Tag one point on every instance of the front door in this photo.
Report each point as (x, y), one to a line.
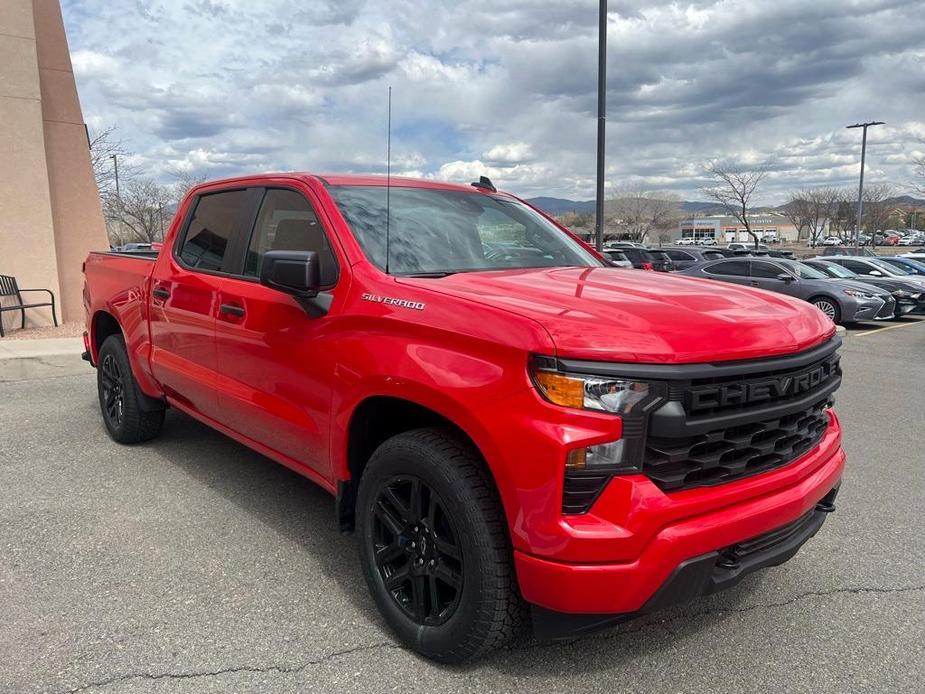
(184, 297)
(767, 275)
(276, 362)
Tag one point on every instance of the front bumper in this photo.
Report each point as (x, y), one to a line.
(700, 576)
(861, 309)
(737, 515)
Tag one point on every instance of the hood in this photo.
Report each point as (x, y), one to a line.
(890, 284)
(612, 314)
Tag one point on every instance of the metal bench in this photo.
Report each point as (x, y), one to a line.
(9, 287)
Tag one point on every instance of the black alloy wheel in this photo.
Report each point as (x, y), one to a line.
(417, 551)
(113, 386)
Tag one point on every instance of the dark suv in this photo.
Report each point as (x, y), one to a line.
(644, 259)
(685, 256)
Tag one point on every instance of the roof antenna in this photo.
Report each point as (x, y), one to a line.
(388, 183)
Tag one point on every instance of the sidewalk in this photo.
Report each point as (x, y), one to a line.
(29, 359)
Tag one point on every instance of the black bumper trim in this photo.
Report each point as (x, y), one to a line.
(696, 577)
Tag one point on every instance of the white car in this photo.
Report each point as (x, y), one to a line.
(832, 241)
(915, 255)
(911, 240)
(706, 241)
(686, 241)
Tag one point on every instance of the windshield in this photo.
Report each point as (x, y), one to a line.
(802, 270)
(438, 232)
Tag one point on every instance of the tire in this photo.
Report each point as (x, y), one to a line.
(126, 414)
(459, 532)
(829, 307)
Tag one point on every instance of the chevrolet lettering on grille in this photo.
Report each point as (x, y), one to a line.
(718, 396)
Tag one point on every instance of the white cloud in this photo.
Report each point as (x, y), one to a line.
(218, 87)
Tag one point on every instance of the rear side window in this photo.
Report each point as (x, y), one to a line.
(287, 222)
(214, 221)
(679, 255)
(730, 267)
(766, 270)
(712, 255)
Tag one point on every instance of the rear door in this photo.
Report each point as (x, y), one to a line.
(277, 363)
(734, 270)
(185, 286)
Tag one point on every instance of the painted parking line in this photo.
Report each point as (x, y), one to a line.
(884, 329)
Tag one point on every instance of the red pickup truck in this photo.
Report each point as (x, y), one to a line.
(519, 433)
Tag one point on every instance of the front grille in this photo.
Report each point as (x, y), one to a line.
(729, 453)
(889, 308)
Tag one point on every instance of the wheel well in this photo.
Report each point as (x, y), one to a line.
(373, 422)
(104, 325)
(813, 299)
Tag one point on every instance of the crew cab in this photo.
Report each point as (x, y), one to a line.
(518, 433)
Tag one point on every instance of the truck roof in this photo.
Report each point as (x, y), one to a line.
(340, 179)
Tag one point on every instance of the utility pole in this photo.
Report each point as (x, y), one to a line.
(857, 228)
(601, 120)
(115, 166)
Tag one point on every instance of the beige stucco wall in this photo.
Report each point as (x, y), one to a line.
(49, 208)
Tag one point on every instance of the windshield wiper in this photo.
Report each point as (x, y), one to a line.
(428, 274)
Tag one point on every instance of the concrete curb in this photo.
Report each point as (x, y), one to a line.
(841, 331)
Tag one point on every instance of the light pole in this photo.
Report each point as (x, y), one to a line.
(601, 119)
(857, 228)
(115, 166)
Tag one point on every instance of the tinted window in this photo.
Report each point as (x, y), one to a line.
(855, 266)
(679, 255)
(438, 231)
(287, 222)
(216, 217)
(802, 270)
(737, 268)
(712, 255)
(638, 255)
(766, 270)
(615, 255)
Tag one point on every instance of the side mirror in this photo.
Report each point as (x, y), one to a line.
(292, 272)
(785, 277)
(875, 273)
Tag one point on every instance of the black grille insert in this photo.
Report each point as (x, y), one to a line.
(729, 453)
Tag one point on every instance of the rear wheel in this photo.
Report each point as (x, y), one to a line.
(829, 307)
(434, 547)
(125, 414)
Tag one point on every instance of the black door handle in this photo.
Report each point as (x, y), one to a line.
(161, 293)
(231, 310)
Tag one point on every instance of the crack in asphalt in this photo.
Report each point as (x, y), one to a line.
(664, 624)
(282, 669)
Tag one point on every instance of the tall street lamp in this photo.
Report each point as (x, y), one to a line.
(857, 228)
(601, 118)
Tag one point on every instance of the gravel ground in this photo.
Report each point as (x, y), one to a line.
(45, 331)
(191, 564)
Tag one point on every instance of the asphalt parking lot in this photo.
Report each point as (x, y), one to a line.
(191, 564)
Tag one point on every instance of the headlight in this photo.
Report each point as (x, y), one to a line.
(905, 294)
(858, 294)
(590, 392)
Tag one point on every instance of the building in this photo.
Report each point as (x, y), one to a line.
(50, 213)
(727, 229)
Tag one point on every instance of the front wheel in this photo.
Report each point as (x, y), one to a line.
(829, 307)
(434, 547)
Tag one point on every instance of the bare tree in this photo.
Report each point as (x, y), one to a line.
(638, 213)
(735, 187)
(844, 212)
(811, 209)
(918, 180)
(140, 213)
(104, 145)
(877, 208)
(184, 183)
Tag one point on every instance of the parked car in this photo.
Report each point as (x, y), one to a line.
(840, 300)
(912, 240)
(660, 260)
(911, 266)
(687, 241)
(645, 259)
(517, 438)
(909, 296)
(706, 241)
(875, 267)
(617, 257)
(683, 258)
(832, 241)
(918, 254)
(782, 253)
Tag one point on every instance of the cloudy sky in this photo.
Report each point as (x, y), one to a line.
(507, 88)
